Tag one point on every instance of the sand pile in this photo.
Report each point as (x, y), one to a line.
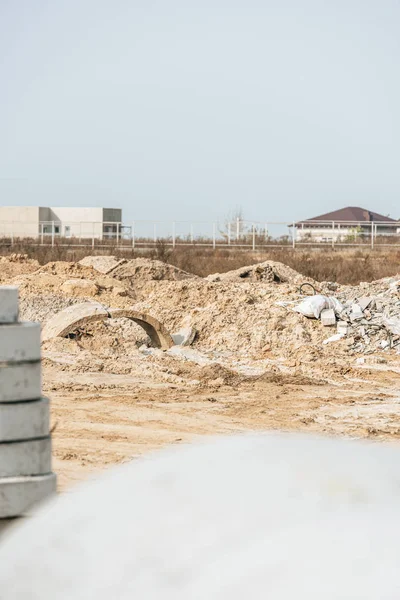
(137, 270)
(234, 314)
(16, 264)
(234, 317)
(267, 272)
(55, 286)
(102, 264)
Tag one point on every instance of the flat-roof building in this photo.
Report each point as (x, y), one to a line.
(78, 222)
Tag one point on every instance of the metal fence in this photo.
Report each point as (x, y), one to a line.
(252, 235)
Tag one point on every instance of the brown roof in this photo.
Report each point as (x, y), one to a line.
(351, 213)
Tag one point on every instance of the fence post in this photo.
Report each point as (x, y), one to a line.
(133, 234)
(229, 233)
(191, 233)
(333, 235)
(254, 237)
(237, 228)
(52, 234)
(372, 235)
(12, 233)
(118, 224)
(41, 233)
(294, 235)
(173, 234)
(93, 235)
(214, 240)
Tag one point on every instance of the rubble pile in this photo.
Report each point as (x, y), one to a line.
(268, 272)
(373, 320)
(248, 313)
(367, 317)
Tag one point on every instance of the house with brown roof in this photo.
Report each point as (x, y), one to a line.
(345, 224)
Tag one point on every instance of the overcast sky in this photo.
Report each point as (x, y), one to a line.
(175, 109)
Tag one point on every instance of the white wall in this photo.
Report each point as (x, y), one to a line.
(325, 233)
(78, 222)
(19, 221)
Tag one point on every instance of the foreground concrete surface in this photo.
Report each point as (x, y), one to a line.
(278, 516)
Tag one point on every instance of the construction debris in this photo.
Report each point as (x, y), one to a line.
(243, 311)
(184, 337)
(314, 306)
(342, 327)
(370, 323)
(328, 317)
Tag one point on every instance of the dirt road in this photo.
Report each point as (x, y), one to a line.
(103, 419)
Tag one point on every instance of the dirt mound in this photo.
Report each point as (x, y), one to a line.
(62, 284)
(102, 264)
(16, 264)
(140, 270)
(265, 272)
(216, 373)
(80, 287)
(287, 379)
(232, 317)
(63, 268)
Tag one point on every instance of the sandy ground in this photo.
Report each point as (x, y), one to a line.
(254, 364)
(120, 417)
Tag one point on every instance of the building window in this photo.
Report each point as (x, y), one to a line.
(67, 231)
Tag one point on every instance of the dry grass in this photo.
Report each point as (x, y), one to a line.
(344, 266)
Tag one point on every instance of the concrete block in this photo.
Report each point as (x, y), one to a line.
(184, 337)
(328, 317)
(24, 420)
(356, 313)
(342, 327)
(364, 302)
(32, 457)
(19, 494)
(8, 304)
(20, 381)
(19, 342)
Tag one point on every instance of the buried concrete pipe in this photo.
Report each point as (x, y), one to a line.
(74, 317)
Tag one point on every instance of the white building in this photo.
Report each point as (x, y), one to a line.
(77, 222)
(346, 224)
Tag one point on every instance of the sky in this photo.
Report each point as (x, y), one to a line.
(183, 110)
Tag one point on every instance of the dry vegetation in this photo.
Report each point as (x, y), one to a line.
(343, 266)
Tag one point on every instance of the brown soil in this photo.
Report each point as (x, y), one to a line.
(102, 420)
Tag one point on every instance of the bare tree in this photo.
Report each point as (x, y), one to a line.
(234, 225)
